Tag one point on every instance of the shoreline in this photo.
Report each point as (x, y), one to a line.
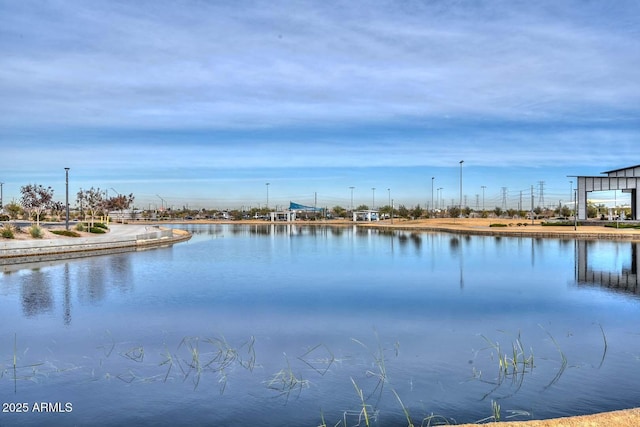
(469, 226)
(18, 253)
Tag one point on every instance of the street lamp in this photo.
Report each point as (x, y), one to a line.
(389, 190)
(432, 178)
(267, 184)
(373, 203)
(66, 172)
(483, 187)
(1, 208)
(162, 201)
(461, 162)
(352, 197)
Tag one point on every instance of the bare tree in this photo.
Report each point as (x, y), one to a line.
(35, 199)
(120, 203)
(92, 200)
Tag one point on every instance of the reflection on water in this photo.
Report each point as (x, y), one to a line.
(282, 324)
(35, 292)
(612, 265)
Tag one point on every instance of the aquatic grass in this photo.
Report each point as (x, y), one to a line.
(404, 409)
(136, 354)
(321, 362)
(563, 362)
(168, 361)
(285, 382)
(108, 349)
(604, 352)
(363, 412)
(16, 368)
(379, 362)
(435, 420)
(513, 365)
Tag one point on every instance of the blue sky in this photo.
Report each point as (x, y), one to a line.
(204, 102)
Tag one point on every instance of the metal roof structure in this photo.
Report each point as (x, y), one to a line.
(625, 179)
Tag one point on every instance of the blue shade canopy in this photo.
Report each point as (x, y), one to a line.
(298, 207)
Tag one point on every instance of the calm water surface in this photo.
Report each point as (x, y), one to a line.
(289, 325)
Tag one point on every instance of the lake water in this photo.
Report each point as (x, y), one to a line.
(288, 325)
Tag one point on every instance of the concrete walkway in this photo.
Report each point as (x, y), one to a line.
(120, 238)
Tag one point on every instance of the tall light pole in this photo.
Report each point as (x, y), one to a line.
(373, 202)
(432, 178)
(162, 200)
(1, 208)
(352, 198)
(439, 195)
(483, 187)
(267, 184)
(461, 162)
(66, 172)
(389, 190)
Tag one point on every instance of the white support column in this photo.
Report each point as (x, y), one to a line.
(582, 198)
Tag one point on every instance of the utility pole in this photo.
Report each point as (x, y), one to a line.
(352, 198)
(432, 207)
(532, 215)
(267, 184)
(66, 170)
(483, 187)
(504, 198)
(520, 203)
(1, 205)
(541, 199)
(461, 162)
(373, 200)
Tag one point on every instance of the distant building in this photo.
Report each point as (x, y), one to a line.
(125, 215)
(625, 179)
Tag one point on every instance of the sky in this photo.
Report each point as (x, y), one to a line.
(201, 104)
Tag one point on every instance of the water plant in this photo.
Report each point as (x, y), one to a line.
(319, 358)
(285, 381)
(404, 409)
(379, 362)
(512, 365)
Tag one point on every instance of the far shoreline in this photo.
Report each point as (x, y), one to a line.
(467, 226)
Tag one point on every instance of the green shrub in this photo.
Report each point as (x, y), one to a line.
(36, 232)
(497, 225)
(7, 232)
(4, 218)
(97, 230)
(80, 227)
(557, 223)
(100, 225)
(67, 233)
(622, 225)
